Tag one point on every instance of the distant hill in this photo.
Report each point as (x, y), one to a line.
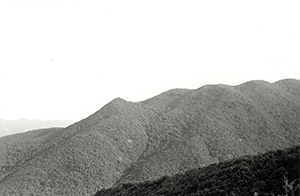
(170, 133)
(263, 174)
(8, 127)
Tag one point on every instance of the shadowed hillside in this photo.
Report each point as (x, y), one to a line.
(171, 133)
(264, 174)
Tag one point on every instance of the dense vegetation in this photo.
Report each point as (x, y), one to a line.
(171, 133)
(19, 148)
(250, 175)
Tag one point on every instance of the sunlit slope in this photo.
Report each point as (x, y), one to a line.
(171, 133)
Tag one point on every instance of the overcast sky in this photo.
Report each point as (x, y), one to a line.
(65, 59)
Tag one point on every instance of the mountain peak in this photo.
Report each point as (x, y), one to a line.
(118, 100)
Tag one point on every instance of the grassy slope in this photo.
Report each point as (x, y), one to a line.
(262, 173)
(168, 134)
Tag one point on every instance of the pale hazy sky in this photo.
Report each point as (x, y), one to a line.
(65, 59)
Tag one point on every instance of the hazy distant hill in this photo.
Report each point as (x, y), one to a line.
(8, 127)
(264, 174)
(173, 132)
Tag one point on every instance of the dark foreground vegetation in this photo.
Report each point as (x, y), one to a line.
(272, 173)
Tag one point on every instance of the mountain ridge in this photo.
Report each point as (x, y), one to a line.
(177, 130)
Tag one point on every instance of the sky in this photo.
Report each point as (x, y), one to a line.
(65, 59)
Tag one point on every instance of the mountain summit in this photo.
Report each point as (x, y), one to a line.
(170, 133)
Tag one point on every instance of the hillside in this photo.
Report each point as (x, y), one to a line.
(19, 148)
(170, 133)
(264, 174)
(8, 127)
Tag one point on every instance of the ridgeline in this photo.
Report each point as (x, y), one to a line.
(171, 133)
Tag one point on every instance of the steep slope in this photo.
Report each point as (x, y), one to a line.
(171, 133)
(8, 127)
(264, 174)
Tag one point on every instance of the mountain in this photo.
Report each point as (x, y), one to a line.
(8, 127)
(275, 172)
(170, 133)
